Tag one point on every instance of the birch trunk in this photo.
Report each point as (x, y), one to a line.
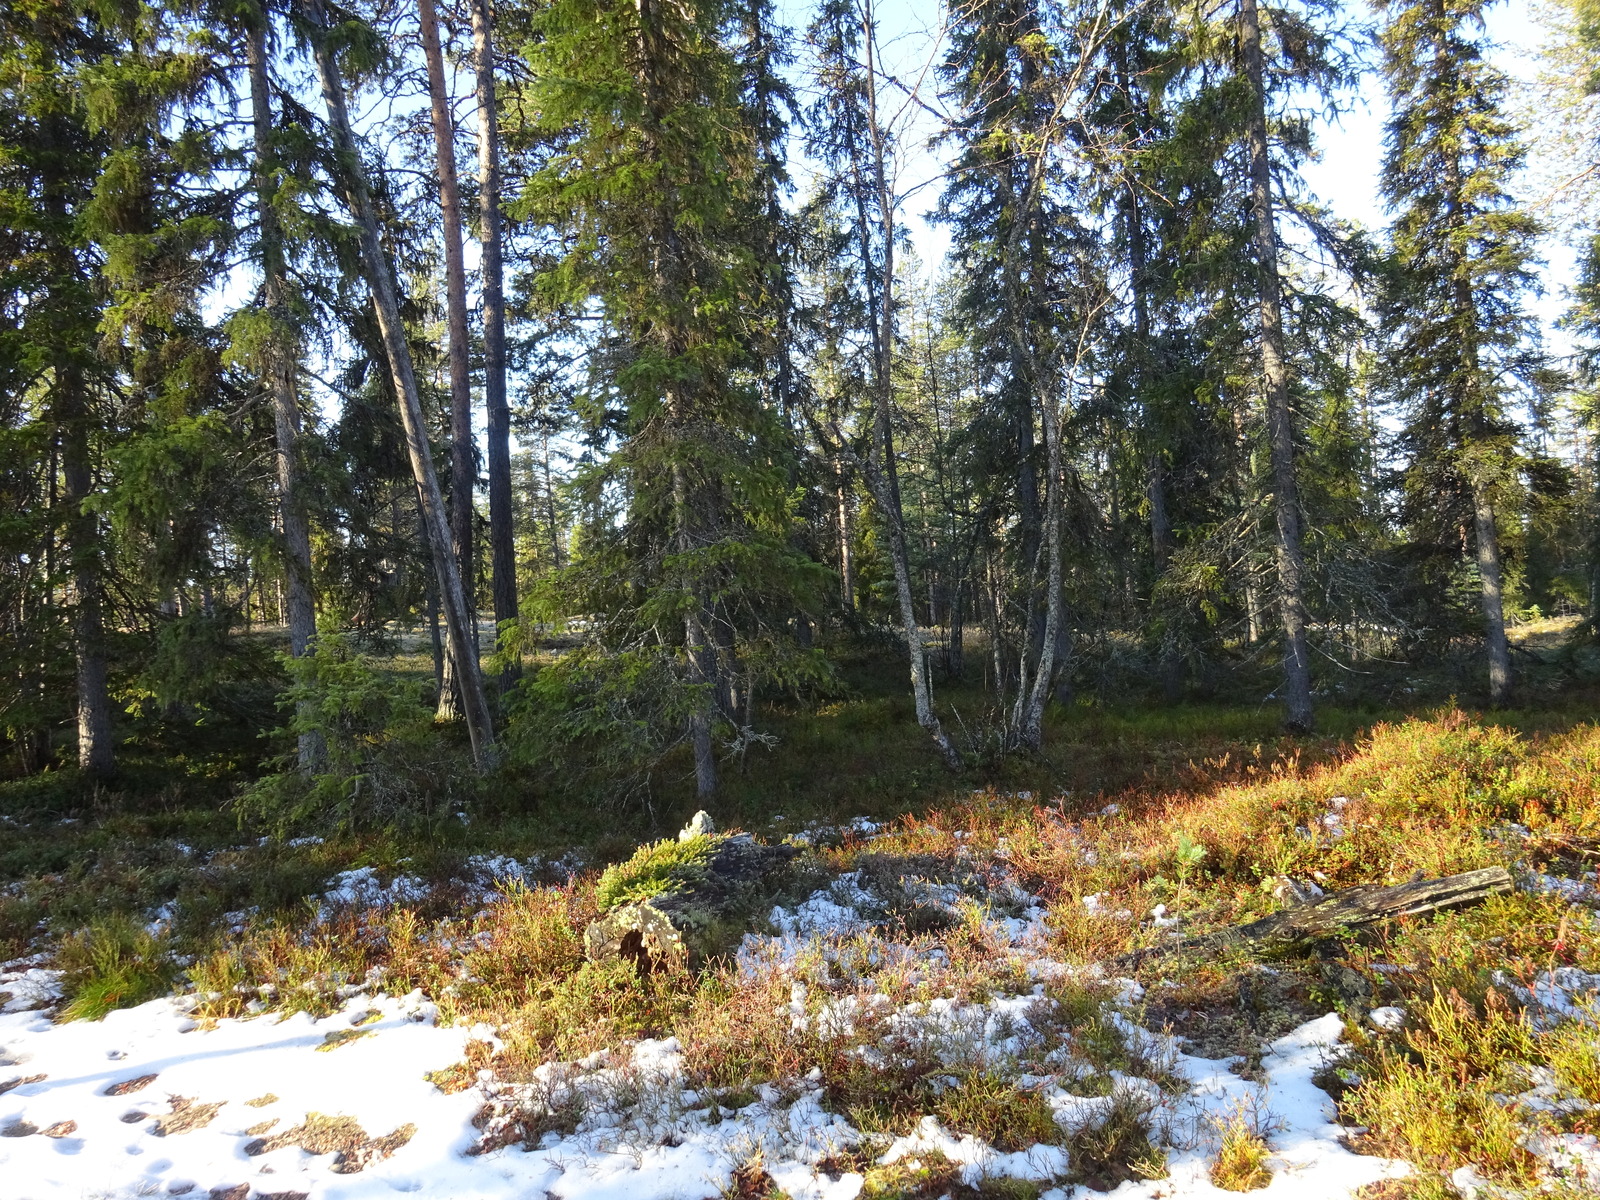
(884, 478)
(1489, 576)
(847, 573)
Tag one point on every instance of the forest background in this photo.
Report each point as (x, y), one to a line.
(417, 413)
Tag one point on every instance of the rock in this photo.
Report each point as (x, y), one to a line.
(640, 933)
(1388, 1018)
(700, 825)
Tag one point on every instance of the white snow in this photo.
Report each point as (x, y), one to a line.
(637, 1131)
(659, 1147)
(361, 888)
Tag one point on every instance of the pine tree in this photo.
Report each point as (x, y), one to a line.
(463, 454)
(1457, 335)
(378, 272)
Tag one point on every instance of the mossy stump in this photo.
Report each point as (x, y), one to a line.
(666, 905)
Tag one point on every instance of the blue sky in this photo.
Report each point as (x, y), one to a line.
(1351, 147)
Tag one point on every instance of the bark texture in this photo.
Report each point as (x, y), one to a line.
(882, 475)
(460, 643)
(1298, 714)
(282, 376)
(463, 460)
(502, 549)
(1355, 908)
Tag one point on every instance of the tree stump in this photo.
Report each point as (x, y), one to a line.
(704, 886)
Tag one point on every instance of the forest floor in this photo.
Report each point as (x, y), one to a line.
(943, 995)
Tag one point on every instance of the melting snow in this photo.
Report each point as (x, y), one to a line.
(642, 1134)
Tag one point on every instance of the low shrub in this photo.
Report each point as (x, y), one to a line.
(114, 963)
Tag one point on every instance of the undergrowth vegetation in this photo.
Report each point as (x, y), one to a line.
(1126, 874)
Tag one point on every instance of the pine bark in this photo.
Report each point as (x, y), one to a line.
(502, 543)
(282, 383)
(463, 461)
(1298, 713)
(376, 267)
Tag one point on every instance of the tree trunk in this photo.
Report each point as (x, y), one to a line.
(96, 749)
(1298, 714)
(955, 647)
(458, 631)
(1494, 617)
(430, 599)
(1171, 664)
(502, 539)
(281, 377)
(883, 478)
(700, 656)
(463, 462)
(847, 571)
(1295, 927)
(1033, 721)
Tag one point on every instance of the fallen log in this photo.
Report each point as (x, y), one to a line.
(1291, 928)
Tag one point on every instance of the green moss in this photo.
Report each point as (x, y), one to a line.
(659, 869)
(994, 1108)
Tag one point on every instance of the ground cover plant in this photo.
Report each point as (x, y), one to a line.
(989, 993)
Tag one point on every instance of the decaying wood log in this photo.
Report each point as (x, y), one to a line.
(1297, 926)
(738, 879)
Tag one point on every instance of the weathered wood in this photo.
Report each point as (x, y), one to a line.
(1354, 908)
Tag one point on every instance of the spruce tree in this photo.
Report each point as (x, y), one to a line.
(274, 350)
(50, 161)
(655, 186)
(1457, 336)
(1023, 74)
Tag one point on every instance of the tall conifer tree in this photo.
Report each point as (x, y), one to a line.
(658, 188)
(1458, 337)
